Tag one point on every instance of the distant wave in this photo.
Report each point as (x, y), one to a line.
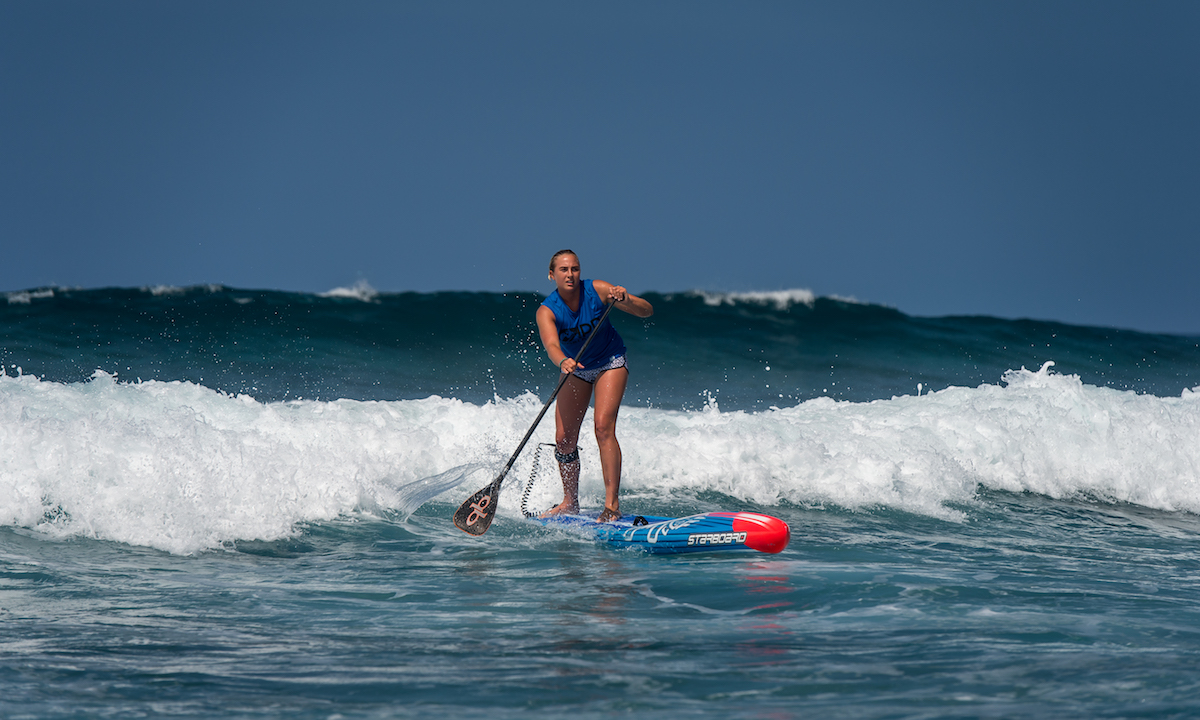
(360, 290)
(160, 290)
(780, 299)
(25, 297)
(363, 291)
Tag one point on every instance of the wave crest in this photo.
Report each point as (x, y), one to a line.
(180, 467)
(779, 299)
(360, 290)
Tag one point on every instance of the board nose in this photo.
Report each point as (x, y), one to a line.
(763, 532)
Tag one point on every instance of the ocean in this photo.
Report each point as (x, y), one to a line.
(227, 503)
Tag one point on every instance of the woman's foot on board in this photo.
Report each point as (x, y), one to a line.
(609, 515)
(561, 509)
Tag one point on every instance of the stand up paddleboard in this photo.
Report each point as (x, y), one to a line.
(706, 532)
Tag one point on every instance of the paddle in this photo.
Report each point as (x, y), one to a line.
(475, 515)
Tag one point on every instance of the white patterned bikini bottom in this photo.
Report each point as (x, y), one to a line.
(589, 375)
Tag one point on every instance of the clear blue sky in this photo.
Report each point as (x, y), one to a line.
(1019, 159)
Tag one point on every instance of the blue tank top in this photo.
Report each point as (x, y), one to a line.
(574, 327)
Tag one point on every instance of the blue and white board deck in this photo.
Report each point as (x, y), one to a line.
(706, 532)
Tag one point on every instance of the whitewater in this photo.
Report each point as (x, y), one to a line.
(181, 468)
(219, 502)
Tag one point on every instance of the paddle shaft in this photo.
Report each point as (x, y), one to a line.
(484, 512)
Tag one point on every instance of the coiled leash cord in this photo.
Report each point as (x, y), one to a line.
(533, 474)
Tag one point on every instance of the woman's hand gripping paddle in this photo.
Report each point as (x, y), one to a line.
(475, 515)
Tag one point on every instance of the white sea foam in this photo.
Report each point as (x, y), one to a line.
(780, 299)
(180, 467)
(160, 290)
(26, 297)
(360, 290)
(1039, 432)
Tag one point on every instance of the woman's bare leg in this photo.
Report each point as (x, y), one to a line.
(569, 409)
(610, 389)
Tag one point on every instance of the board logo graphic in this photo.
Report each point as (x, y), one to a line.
(726, 538)
(653, 532)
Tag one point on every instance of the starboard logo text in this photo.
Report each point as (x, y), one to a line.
(729, 538)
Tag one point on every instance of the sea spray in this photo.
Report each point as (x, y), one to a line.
(180, 467)
(1038, 432)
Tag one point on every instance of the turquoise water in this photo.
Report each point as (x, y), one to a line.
(1034, 608)
(226, 503)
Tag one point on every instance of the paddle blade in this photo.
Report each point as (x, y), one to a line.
(475, 515)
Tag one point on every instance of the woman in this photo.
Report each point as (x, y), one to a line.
(564, 321)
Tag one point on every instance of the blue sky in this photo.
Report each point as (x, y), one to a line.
(1017, 159)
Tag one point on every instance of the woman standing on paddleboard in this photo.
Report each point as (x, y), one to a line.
(564, 321)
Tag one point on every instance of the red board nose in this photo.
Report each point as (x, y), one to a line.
(763, 532)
